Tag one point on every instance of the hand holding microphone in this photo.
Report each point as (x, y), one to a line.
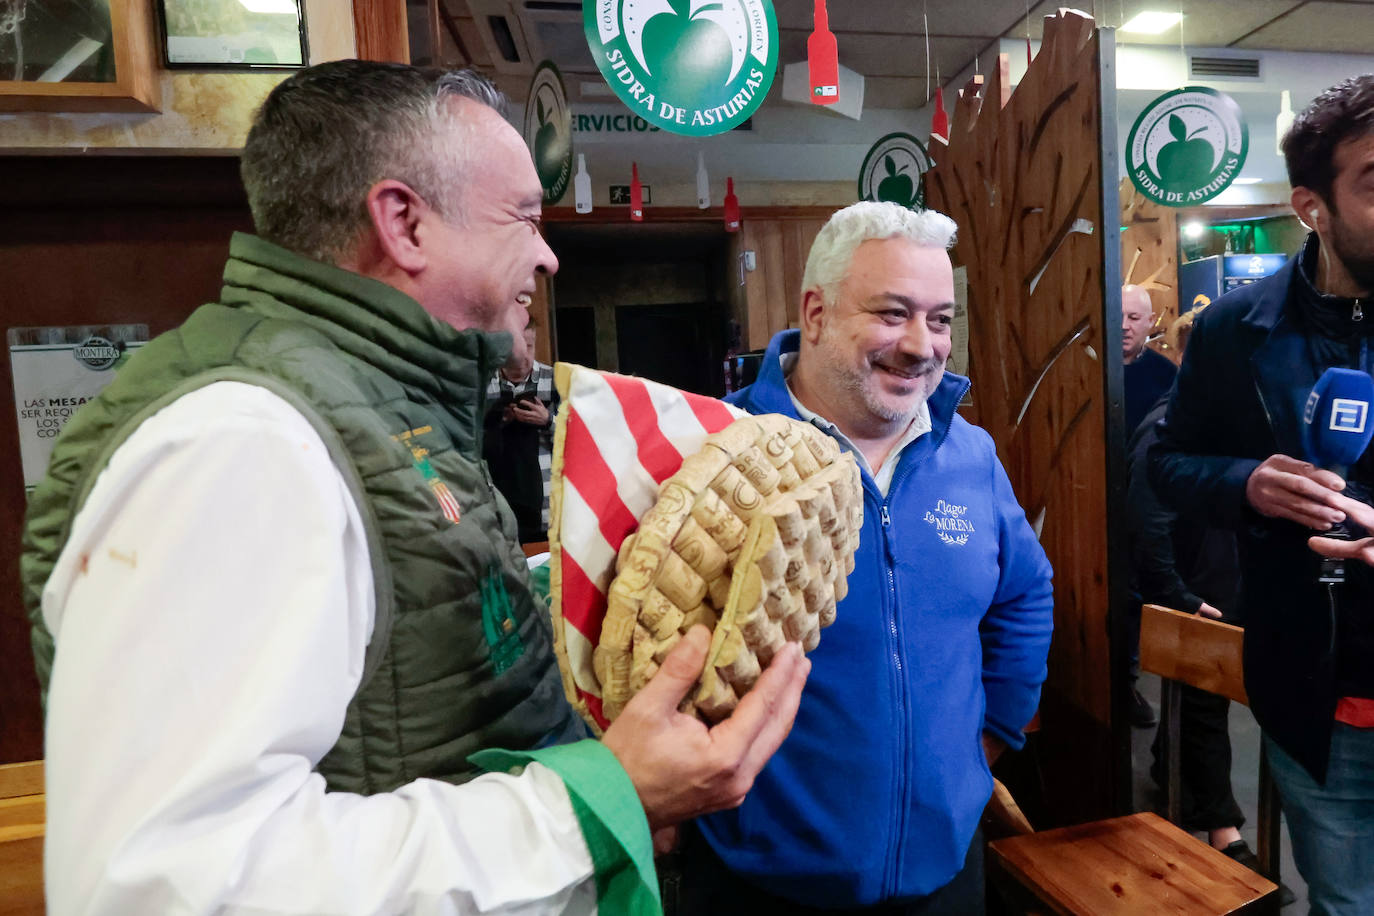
(1336, 430)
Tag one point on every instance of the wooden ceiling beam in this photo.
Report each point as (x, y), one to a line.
(451, 26)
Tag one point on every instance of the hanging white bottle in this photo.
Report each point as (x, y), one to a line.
(1284, 120)
(582, 186)
(703, 184)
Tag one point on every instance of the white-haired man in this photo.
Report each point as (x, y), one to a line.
(935, 661)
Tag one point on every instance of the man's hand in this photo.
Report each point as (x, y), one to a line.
(993, 747)
(681, 768)
(1363, 549)
(531, 411)
(1284, 487)
(1208, 611)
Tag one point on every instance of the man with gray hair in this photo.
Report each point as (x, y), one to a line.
(936, 657)
(280, 613)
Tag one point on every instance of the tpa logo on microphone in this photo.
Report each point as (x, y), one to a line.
(1348, 415)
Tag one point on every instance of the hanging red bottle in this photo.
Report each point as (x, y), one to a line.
(939, 124)
(823, 59)
(731, 207)
(636, 194)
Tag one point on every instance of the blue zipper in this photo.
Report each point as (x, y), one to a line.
(902, 764)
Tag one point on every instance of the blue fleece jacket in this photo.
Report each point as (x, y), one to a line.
(876, 793)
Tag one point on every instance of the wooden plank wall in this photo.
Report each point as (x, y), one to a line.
(1149, 258)
(1039, 236)
(94, 240)
(773, 289)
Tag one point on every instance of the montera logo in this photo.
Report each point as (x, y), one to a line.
(1347, 415)
(96, 353)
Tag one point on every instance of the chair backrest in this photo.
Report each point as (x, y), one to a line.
(22, 814)
(21, 779)
(1195, 650)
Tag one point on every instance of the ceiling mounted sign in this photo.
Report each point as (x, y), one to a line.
(892, 171)
(1187, 146)
(548, 131)
(692, 67)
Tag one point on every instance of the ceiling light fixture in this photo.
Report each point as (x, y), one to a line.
(1151, 22)
(1193, 230)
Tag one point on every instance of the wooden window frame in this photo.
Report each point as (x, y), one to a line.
(135, 87)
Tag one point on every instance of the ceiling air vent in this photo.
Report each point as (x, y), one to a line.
(1224, 68)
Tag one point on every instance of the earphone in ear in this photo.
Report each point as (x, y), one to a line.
(1312, 213)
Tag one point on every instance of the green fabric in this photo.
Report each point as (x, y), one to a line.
(539, 581)
(609, 812)
(461, 653)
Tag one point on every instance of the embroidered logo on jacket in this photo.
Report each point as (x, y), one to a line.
(448, 505)
(498, 622)
(951, 525)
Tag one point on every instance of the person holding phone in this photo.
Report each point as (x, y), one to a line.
(518, 443)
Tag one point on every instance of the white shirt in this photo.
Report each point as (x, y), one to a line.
(919, 426)
(211, 610)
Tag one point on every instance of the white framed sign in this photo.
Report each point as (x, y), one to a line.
(55, 371)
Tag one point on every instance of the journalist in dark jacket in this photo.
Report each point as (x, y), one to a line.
(1231, 444)
(1250, 364)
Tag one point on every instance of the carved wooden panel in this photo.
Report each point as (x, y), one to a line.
(1149, 258)
(1039, 238)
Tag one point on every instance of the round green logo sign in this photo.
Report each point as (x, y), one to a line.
(548, 131)
(1187, 146)
(893, 171)
(692, 67)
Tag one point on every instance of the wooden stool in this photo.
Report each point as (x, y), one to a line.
(1206, 654)
(1133, 866)
(22, 815)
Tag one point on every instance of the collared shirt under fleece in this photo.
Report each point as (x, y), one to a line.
(212, 608)
(878, 789)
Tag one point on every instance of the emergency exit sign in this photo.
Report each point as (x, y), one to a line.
(620, 194)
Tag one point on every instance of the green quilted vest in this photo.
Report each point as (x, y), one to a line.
(461, 653)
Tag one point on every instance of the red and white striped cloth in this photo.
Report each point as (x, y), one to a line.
(617, 438)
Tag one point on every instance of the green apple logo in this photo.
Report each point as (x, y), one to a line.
(896, 188)
(550, 149)
(893, 170)
(548, 131)
(1187, 160)
(1176, 166)
(688, 50)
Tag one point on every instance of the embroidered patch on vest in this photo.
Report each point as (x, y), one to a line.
(951, 525)
(498, 622)
(442, 494)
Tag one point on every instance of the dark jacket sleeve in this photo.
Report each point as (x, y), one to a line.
(1151, 527)
(1190, 466)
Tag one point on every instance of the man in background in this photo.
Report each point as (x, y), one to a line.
(280, 615)
(1147, 377)
(518, 438)
(935, 660)
(1148, 374)
(1232, 446)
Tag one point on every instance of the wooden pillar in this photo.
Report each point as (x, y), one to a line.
(381, 30)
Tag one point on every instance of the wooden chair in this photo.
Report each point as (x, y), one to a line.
(22, 815)
(1136, 865)
(1206, 654)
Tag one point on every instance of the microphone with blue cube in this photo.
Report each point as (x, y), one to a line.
(1336, 430)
